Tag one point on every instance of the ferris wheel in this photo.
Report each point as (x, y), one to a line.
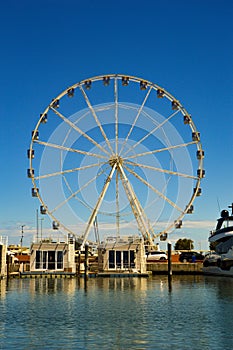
(119, 148)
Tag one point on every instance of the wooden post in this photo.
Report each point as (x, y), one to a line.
(79, 262)
(86, 261)
(7, 265)
(169, 266)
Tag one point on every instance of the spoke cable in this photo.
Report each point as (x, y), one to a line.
(135, 120)
(68, 171)
(152, 131)
(161, 170)
(79, 190)
(153, 189)
(75, 127)
(53, 145)
(162, 149)
(96, 119)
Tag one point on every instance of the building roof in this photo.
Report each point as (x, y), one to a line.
(24, 258)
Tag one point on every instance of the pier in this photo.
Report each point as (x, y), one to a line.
(178, 268)
(153, 268)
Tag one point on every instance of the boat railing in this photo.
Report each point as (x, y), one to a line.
(212, 233)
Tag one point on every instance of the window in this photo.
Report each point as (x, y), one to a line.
(51, 260)
(118, 259)
(124, 259)
(59, 260)
(111, 259)
(38, 259)
(44, 259)
(132, 258)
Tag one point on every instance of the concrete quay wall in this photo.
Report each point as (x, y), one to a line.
(177, 268)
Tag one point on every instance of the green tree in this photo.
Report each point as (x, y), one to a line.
(184, 244)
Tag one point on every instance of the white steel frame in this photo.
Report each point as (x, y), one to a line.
(118, 160)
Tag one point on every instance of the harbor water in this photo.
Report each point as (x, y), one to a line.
(193, 312)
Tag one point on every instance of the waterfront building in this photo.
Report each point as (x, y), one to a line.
(3, 255)
(18, 258)
(49, 255)
(122, 254)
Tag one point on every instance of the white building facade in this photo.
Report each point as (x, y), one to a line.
(53, 256)
(3, 255)
(121, 254)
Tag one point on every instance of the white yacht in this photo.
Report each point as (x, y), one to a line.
(221, 261)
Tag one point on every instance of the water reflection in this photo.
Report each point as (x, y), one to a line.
(3, 283)
(224, 286)
(53, 286)
(118, 313)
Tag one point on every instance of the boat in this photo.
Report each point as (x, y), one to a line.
(220, 262)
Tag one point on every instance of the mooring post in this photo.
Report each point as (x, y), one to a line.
(86, 261)
(7, 265)
(169, 266)
(79, 262)
(169, 254)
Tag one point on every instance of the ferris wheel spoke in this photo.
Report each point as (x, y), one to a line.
(135, 120)
(151, 132)
(160, 194)
(96, 119)
(162, 149)
(58, 173)
(75, 127)
(116, 113)
(161, 170)
(90, 181)
(164, 122)
(77, 198)
(68, 149)
(73, 194)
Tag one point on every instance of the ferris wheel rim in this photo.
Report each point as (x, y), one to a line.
(151, 86)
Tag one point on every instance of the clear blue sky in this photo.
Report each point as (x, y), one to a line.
(184, 46)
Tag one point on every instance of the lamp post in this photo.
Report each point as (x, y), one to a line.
(37, 226)
(41, 229)
(21, 239)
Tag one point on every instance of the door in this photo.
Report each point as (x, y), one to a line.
(51, 260)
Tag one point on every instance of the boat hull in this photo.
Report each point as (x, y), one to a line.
(215, 270)
(221, 261)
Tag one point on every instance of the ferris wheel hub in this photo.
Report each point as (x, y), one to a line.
(115, 160)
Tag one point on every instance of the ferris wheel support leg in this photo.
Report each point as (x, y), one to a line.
(97, 206)
(139, 211)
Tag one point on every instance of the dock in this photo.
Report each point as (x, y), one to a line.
(155, 268)
(178, 268)
(47, 275)
(122, 274)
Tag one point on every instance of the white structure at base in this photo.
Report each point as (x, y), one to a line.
(122, 254)
(3, 253)
(53, 256)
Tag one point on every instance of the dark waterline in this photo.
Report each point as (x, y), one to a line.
(121, 313)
